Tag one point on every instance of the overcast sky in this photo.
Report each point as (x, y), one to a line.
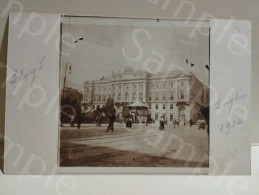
(101, 50)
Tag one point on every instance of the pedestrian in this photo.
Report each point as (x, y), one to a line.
(191, 122)
(97, 120)
(162, 123)
(72, 121)
(199, 123)
(79, 120)
(111, 121)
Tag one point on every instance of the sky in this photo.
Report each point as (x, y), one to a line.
(111, 44)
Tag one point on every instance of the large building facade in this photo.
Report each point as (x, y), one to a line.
(172, 95)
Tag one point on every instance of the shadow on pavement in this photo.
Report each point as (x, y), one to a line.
(77, 155)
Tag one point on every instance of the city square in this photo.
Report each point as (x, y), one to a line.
(139, 146)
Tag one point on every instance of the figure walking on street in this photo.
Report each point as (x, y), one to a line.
(162, 123)
(191, 122)
(111, 121)
(79, 120)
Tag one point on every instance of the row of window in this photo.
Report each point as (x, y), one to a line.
(99, 98)
(152, 97)
(152, 85)
(165, 84)
(164, 97)
(164, 116)
(127, 86)
(164, 106)
(127, 96)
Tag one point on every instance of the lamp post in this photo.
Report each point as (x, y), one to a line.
(67, 67)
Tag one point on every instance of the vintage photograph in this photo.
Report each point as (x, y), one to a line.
(134, 93)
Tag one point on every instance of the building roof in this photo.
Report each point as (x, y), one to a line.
(138, 104)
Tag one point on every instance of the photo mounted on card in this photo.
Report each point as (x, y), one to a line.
(127, 95)
(134, 95)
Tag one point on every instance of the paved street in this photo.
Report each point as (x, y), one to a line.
(139, 146)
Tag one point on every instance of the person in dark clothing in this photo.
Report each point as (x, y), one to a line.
(111, 121)
(191, 122)
(162, 123)
(79, 120)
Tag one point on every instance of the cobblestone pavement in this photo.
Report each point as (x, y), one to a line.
(139, 146)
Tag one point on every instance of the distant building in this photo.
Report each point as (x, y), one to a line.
(72, 96)
(173, 95)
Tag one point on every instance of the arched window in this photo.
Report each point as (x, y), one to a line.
(150, 96)
(164, 97)
(141, 96)
(182, 95)
(134, 96)
(157, 96)
(171, 96)
(164, 85)
(126, 96)
(134, 86)
(119, 96)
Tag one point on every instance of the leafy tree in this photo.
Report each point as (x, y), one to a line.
(110, 105)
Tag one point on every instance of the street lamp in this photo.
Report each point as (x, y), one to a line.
(67, 67)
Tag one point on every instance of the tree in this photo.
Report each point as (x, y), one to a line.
(110, 105)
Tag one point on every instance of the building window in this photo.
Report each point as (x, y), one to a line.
(141, 96)
(172, 84)
(114, 87)
(171, 117)
(126, 86)
(163, 106)
(104, 98)
(156, 116)
(171, 96)
(156, 106)
(114, 96)
(182, 83)
(164, 96)
(182, 95)
(135, 86)
(120, 87)
(126, 96)
(87, 90)
(151, 85)
(141, 86)
(157, 96)
(104, 88)
(171, 106)
(149, 106)
(119, 97)
(164, 84)
(150, 97)
(99, 98)
(134, 96)
(93, 106)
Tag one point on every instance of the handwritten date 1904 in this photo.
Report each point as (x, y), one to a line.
(227, 126)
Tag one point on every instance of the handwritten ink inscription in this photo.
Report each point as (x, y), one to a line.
(20, 74)
(228, 103)
(227, 126)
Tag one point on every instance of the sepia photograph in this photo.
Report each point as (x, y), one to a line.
(134, 93)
